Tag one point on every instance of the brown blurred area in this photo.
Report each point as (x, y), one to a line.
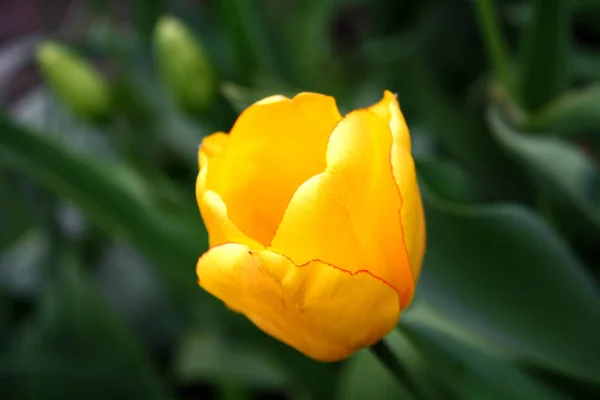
(22, 24)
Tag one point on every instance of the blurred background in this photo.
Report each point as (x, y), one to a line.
(104, 104)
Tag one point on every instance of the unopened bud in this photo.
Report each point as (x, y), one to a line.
(183, 65)
(74, 81)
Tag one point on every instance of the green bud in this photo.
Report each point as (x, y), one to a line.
(74, 81)
(183, 65)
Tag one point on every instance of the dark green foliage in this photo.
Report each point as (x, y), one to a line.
(100, 233)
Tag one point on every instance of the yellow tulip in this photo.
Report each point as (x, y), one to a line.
(315, 221)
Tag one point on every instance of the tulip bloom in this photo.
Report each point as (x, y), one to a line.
(315, 221)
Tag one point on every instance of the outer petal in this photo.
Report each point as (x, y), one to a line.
(413, 220)
(212, 146)
(214, 211)
(388, 109)
(349, 215)
(320, 310)
(275, 145)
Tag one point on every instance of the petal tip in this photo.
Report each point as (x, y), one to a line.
(277, 98)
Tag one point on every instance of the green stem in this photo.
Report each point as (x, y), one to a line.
(394, 366)
(495, 45)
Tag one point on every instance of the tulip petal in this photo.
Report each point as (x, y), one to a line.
(275, 145)
(321, 310)
(220, 228)
(349, 215)
(212, 145)
(389, 109)
(413, 220)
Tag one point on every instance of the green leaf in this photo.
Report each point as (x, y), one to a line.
(76, 347)
(585, 65)
(423, 313)
(545, 53)
(6, 318)
(465, 138)
(452, 182)
(40, 111)
(311, 48)
(243, 97)
(15, 212)
(502, 272)
(309, 377)
(109, 198)
(251, 37)
(365, 377)
(207, 357)
(21, 264)
(469, 373)
(566, 170)
(146, 13)
(572, 114)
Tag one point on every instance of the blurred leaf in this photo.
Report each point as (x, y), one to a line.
(154, 116)
(451, 182)
(14, 211)
(308, 377)
(207, 357)
(21, 264)
(5, 320)
(425, 314)
(311, 49)
(572, 114)
(242, 97)
(470, 373)
(146, 13)
(75, 347)
(39, 110)
(364, 377)
(566, 169)
(129, 285)
(585, 65)
(251, 37)
(465, 137)
(501, 271)
(545, 53)
(109, 201)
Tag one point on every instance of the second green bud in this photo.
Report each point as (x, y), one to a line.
(184, 66)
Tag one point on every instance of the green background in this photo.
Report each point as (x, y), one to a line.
(100, 233)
